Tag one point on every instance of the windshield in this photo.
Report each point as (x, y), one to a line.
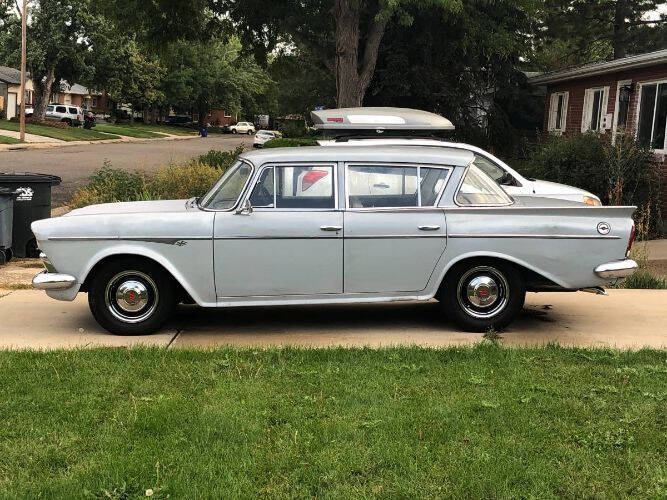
(226, 192)
(479, 189)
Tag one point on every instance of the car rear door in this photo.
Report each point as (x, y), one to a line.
(394, 232)
(291, 243)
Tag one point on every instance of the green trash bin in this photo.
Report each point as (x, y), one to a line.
(33, 202)
(6, 223)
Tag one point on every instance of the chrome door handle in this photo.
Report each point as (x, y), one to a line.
(331, 228)
(428, 228)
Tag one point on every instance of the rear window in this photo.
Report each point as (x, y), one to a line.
(478, 188)
(49, 109)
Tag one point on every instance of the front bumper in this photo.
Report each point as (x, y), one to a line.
(53, 281)
(616, 269)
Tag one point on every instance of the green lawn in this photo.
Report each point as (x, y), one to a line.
(8, 140)
(128, 130)
(64, 134)
(144, 131)
(484, 422)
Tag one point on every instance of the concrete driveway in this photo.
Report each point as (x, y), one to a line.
(74, 164)
(625, 319)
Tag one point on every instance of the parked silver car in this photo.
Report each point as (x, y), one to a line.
(324, 225)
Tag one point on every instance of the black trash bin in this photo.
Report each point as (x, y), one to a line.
(32, 202)
(6, 216)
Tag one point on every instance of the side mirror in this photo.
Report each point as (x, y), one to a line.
(245, 208)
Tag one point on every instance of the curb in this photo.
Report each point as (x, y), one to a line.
(62, 144)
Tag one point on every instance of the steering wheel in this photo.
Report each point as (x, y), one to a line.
(262, 197)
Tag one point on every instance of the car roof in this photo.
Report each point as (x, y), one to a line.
(380, 118)
(386, 154)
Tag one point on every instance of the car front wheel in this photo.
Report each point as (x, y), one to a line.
(481, 295)
(234, 131)
(131, 297)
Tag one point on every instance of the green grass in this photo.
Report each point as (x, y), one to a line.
(144, 130)
(484, 422)
(128, 131)
(9, 140)
(64, 134)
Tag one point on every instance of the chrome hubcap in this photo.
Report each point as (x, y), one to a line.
(483, 292)
(131, 296)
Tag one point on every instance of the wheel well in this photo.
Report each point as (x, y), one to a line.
(180, 291)
(534, 281)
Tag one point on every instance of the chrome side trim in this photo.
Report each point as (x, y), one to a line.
(394, 236)
(598, 290)
(217, 238)
(169, 240)
(617, 269)
(53, 281)
(538, 236)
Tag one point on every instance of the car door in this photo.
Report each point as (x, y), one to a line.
(291, 243)
(394, 232)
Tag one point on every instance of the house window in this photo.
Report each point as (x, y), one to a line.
(595, 109)
(624, 93)
(94, 102)
(224, 112)
(558, 111)
(653, 115)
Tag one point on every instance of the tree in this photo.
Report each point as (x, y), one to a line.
(571, 32)
(347, 33)
(56, 45)
(208, 75)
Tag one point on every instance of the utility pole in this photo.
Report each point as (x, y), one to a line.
(24, 24)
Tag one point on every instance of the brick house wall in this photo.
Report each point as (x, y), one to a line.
(575, 107)
(219, 118)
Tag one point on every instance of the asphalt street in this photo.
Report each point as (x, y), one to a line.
(74, 164)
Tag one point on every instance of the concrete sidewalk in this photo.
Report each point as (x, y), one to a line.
(31, 138)
(628, 319)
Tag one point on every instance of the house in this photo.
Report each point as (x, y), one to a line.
(612, 97)
(218, 117)
(78, 95)
(10, 81)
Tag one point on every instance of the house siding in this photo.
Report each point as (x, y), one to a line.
(577, 89)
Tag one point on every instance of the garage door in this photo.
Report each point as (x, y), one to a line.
(11, 106)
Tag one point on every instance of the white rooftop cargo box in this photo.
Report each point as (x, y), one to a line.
(379, 119)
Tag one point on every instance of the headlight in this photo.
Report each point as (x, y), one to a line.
(593, 202)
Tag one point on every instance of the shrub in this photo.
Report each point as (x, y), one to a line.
(219, 159)
(293, 128)
(283, 142)
(623, 173)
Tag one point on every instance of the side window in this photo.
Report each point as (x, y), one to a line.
(478, 188)
(49, 109)
(371, 186)
(61, 109)
(73, 111)
(494, 171)
(264, 191)
(298, 187)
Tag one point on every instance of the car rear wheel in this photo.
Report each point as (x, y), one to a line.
(131, 297)
(482, 295)
(250, 132)
(67, 121)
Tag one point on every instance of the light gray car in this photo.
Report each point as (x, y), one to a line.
(326, 225)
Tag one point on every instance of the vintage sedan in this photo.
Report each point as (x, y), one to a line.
(325, 225)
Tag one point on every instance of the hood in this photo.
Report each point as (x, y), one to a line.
(132, 207)
(546, 188)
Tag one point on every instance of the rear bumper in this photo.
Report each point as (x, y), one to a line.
(53, 281)
(616, 269)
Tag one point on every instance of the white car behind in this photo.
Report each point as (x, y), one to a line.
(72, 115)
(242, 128)
(264, 136)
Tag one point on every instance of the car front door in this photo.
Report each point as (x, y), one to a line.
(394, 232)
(289, 243)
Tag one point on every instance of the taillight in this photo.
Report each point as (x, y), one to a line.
(630, 241)
(311, 177)
(335, 120)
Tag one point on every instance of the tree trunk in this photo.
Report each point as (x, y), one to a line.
(203, 113)
(620, 29)
(353, 76)
(42, 89)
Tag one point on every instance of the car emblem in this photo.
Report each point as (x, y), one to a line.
(181, 243)
(604, 228)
